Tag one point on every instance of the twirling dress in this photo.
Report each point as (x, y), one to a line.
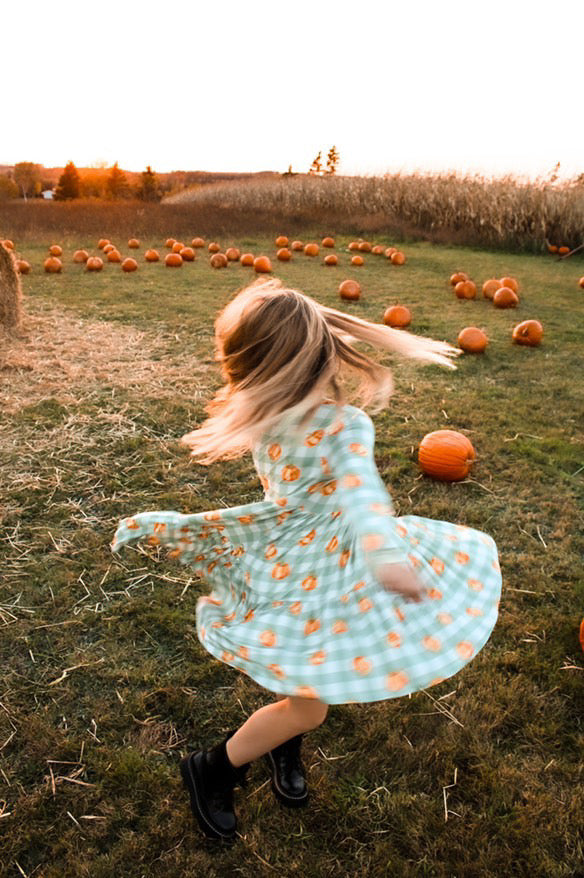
(296, 604)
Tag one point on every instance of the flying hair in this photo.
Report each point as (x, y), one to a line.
(281, 351)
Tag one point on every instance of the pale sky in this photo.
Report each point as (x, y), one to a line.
(470, 86)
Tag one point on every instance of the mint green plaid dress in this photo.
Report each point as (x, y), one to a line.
(295, 602)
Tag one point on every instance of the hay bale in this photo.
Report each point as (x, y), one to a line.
(10, 291)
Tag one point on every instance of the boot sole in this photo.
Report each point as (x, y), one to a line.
(282, 797)
(190, 777)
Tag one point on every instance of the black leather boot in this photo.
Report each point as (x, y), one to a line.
(210, 778)
(288, 777)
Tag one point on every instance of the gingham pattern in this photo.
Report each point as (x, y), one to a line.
(295, 601)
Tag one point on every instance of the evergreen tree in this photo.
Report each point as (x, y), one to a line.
(68, 185)
(316, 166)
(148, 189)
(117, 185)
(332, 161)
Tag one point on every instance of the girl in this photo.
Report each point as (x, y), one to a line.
(320, 594)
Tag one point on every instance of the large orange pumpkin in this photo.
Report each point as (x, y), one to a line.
(169, 243)
(397, 258)
(390, 251)
(129, 264)
(134, 244)
(197, 242)
(247, 259)
(331, 259)
(466, 289)
(446, 455)
(529, 332)
(328, 242)
(364, 246)
(53, 265)
(505, 298)
(262, 265)
(22, 266)
(472, 340)
(213, 247)
(490, 287)
(80, 256)
(377, 250)
(232, 254)
(218, 260)
(151, 256)
(187, 254)
(311, 249)
(94, 263)
(173, 260)
(458, 277)
(178, 246)
(55, 250)
(108, 248)
(281, 241)
(357, 260)
(297, 245)
(354, 245)
(398, 316)
(284, 254)
(114, 256)
(102, 242)
(350, 290)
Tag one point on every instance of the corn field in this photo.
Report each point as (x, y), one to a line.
(500, 214)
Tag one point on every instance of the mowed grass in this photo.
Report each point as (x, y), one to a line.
(106, 685)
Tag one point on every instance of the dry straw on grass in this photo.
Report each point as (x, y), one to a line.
(10, 291)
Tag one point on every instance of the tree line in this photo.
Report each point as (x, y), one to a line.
(26, 181)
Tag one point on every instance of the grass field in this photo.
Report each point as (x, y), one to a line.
(105, 684)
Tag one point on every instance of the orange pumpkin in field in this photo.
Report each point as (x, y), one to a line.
(151, 256)
(177, 246)
(311, 249)
(397, 258)
(94, 263)
(114, 256)
(446, 455)
(377, 250)
(563, 251)
(364, 246)
(53, 265)
(511, 283)
(581, 283)
(22, 266)
(187, 254)
(350, 290)
(173, 260)
(80, 256)
(297, 245)
(389, 252)
(102, 243)
(284, 254)
(331, 259)
(529, 332)
(232, 254)
(247, 259)
(398, 317)
(490, 287)
(466, 289)
(472, 340)
(552, 248)
(458, 277)
(505, 298)
(55, 250)
(218, 260)
(354, 245)
(281, 241)
(129, 264)
(170, 243)
(262, 265)
(197, 242)
(357, 260)
(328, 242)
(8, 244)
(213, 247)
(134, 244)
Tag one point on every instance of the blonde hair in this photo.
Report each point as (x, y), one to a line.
(280, 350)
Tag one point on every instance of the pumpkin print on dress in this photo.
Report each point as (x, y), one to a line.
(300, 609)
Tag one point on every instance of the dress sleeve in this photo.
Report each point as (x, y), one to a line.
(362, 495)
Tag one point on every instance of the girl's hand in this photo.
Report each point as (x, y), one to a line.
(401, 579)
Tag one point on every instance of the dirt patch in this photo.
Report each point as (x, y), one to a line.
(61, 356)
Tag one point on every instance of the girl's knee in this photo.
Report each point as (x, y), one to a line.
(311, 712)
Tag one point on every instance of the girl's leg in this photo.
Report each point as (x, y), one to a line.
(272, 725)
